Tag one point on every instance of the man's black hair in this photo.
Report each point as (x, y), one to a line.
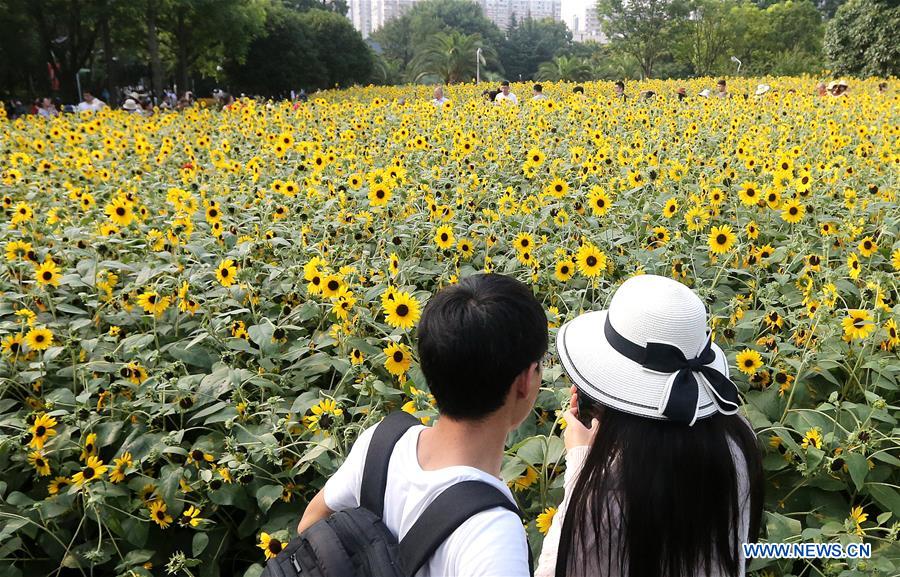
(620, 84)
(504, 83)
(538, 88)
(475, 338)
(578, 89)
(721, 82)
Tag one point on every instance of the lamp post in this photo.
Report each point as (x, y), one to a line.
(738, 62)
(478, 66)
(78, 81)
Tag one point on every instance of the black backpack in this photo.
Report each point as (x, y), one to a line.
(356, 542)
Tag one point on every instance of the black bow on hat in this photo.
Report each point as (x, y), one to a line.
(679, 401)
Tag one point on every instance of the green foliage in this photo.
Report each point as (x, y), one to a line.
(861, 39)
(530, 42)
(340, 49)
(449, 57)
(644, 29)
(569, 68)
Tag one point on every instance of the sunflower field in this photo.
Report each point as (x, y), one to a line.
(201, 311)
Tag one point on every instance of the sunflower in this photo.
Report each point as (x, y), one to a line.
(857, 517)
(39, 338)
(812, 438)
(535, 157)
(526, 480)
(153, 303)
(226, 272)
(120, 467)
(853, 267)
(443, 237)
(523, 242)
(752, 230)
(670, 208)
(792, 211)
(18, 250)
(356, 357)
(598, 200)
(190, 517)
(397, 359)
(93, 470)
(721, 239)
(465, 248)
(270, 545)
(120, 212)
(895, 259)
(402, 311)
(696, 218)
(47, 273)
(89, 448)
(331, 286)
(545, 519)
(557, 188)
(41, 430)
(893, 339)
(748, 361)
(13, 345)
(380, 195)
(37, 460)
(324, 416)
(159, 515)
(564, 269)
(591, 260)
(57, 484)
(867, 247)
(858, 324)
(749, 193)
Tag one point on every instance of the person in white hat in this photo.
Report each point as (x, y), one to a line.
(131, 105)
(761, 89)
(838, 87)
(663, 477)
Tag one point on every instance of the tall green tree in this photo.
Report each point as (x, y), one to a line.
(707, 36)
(861, 39)
(530, 42)
(340, 49)
(645, 29)
(449, 57)
(569, 68)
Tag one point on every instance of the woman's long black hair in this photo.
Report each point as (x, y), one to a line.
(660, 499)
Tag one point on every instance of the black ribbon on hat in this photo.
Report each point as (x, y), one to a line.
(680, 404)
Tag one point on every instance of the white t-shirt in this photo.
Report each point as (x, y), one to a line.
(440, 102)
(491, 543)
(511, 97)
(95, 105)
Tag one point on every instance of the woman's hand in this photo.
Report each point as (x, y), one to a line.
(576, 434)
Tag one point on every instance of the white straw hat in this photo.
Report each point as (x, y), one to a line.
(130, 104)
(704, 93)
(650, 354)
(762, 89)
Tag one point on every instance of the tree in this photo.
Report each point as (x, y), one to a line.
(284, 58)
(567, 68)
(340, 49)
(861, 39)
(707, 36)
(530, 42)
(396, 41)
(449, 57)
(644, 29)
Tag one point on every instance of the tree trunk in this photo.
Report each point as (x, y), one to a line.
(156, 72)
(107, 52)
(182, 38)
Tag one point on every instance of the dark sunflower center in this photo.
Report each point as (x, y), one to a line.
(88, 473)
(225, 272)
(40, 431)
(275, 546)
(591, 260)
(333, 285)
(721, 239)
(601, 203)
(39, 338)
(379, 194)
(793, 210)
(160, 514)
(398, 357)
(151, 299)
(859, 323)
(47, 275)
(402, 310)
(444, 237)
(564, 269)
(120, 211)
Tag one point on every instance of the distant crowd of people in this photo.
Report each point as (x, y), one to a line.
(503, 93)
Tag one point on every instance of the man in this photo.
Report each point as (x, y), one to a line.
(682, 93)
(91, 103)
(838, 88)
(578, 91)
(537, 93)
(721, 89)
(439, 99)
(480, 348)
(505, 95)
(821, 89)
(620, 90)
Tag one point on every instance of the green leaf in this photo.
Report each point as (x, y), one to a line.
(887, 497)
(858, 467)
(266, 496)
(201, 540)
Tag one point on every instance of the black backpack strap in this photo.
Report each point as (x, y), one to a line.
(378, 457)
(444, 516)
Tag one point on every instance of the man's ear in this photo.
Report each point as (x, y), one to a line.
(522, 384)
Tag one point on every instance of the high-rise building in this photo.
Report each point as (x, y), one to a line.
(361, 15)
(502, 12)
(581, 18)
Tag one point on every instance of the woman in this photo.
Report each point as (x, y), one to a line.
(667, 481)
